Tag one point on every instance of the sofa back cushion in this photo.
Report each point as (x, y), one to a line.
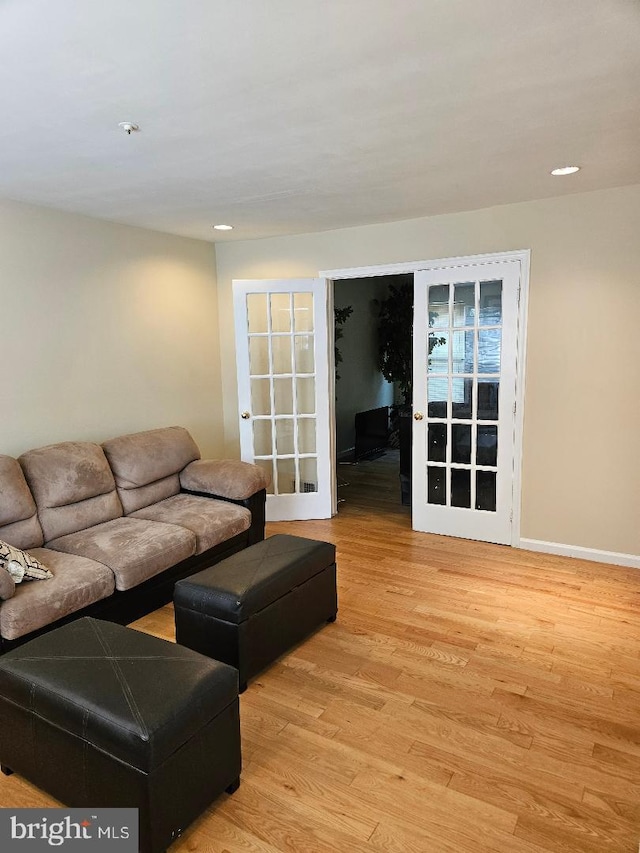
(19, 525)
(72, 485)
(147, 465)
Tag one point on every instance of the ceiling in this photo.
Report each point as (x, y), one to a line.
(289, 116)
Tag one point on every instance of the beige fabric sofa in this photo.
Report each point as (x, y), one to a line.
(119, 523)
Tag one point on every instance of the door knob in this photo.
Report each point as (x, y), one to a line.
(418, 416)
(245, 416)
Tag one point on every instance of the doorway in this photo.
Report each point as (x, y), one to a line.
(478, 496)
(368, 402)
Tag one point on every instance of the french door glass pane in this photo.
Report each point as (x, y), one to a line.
(437, 443)
(304, 354)
(309, 475)
(286, 469)
(489, 351)
(262, 445)
(306, 393)
(464, 304)
(283, 396)
(280, 312)
(437, 393)
(488, 400)
(438, 355)
(267, 465)
(487, 445)
(490, 303)
(439, 306)
(306, 435)
(461, 444)
(259, 356)
(257, 313)
(461, 487)
(260, 397)
(463, 352)
(281, 351)
(303, 312)
(486, 490)
(462, 393)
(284, 436)
(436, 485)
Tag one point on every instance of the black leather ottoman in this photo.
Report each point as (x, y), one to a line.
(252, 607)
(99, 715)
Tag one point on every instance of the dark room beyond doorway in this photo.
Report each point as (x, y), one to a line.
(366, 402)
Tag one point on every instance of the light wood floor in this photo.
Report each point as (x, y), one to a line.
(470, 697)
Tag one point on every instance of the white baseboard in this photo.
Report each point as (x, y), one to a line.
(632, 561)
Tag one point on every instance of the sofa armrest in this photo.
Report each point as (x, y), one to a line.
(225, 478)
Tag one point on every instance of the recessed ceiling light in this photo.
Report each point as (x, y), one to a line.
(223, 227)
(565, 170)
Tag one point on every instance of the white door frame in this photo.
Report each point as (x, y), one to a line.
(524, 257)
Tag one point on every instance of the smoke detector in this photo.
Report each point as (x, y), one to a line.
(129, 127)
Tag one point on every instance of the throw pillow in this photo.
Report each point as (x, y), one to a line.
(7, 585)
(21, 565)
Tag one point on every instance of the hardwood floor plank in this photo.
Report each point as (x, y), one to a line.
(274, 816)
(404, 794)
(591, 837)
(627, 807)
(395, 837)
(316, 794)
(587, 724)
(574, 818)
(212, 833)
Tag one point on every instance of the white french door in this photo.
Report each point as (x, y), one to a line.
(284, 391)
(464, 393)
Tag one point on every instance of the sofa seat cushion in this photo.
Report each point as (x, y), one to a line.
(228, 478)
(76, 583)
(211, 521)
(133, 548)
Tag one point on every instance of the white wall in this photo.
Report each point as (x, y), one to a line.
(106, 329)
(581, 477)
